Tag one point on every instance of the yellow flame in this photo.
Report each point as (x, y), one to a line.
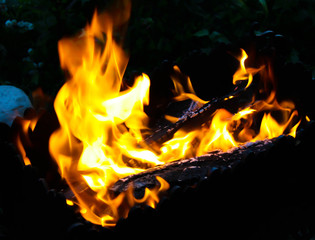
(244, 73)
(184, 90)
(100, 138)
(100, 125)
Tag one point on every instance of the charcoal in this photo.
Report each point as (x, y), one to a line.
(121, 225)
(31, 174)
(93, 234)
(194, 171)
(134, 212)
(42, 186)
(162, 204)
(147, 210)
(175, 190)
(77, 231)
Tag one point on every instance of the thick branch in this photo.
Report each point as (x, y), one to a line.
(190, 171)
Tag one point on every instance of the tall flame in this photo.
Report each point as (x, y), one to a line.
(101, 123)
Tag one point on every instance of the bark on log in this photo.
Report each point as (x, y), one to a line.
(188, 172)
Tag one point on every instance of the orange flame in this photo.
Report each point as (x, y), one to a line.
(100, 137)
(25, 125)
(100, 125)
(244, 73)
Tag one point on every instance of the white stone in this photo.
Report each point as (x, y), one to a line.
(13, 102)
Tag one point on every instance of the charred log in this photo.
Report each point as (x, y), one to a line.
(256, 197)
(188, 172)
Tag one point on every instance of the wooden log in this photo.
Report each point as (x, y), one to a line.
(190, 171)
(275, 177)
(186, 172)
(240, 97)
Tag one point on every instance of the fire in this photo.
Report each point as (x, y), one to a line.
(100, 124)
(100, 138)
(226, 130)
(244, 73)
(25, 125)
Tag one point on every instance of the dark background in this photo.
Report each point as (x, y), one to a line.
(158, 30)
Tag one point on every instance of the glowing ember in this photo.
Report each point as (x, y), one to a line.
(100, 138)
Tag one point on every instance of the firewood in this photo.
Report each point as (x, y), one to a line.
(240, 97)
(190, 171)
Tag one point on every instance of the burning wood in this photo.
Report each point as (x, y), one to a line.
(241, 96)
(101, 137)
(237, 99)
(190, 171)
(104, 144)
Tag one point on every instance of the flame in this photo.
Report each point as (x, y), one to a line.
(226, 130)
(100, 124)
(244, 73)
(186, 91)
(100, 137)
(25, 125)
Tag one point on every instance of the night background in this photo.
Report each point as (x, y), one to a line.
(160, 30)
(202, 37)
